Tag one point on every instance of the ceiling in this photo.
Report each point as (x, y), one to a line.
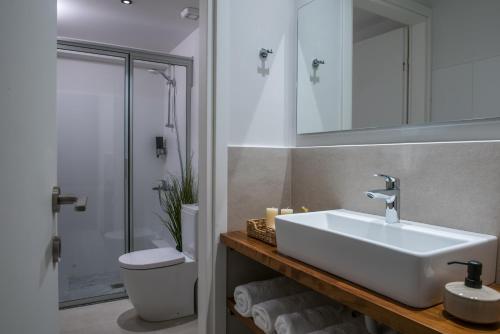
(363, 19)
(367, 24)
(146, 24)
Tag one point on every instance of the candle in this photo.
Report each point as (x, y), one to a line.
(270, 214)
(287, 211)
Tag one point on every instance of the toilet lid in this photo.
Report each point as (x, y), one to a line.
(151, 258)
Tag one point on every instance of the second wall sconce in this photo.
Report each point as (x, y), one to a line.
(316, 62)
(264, 53)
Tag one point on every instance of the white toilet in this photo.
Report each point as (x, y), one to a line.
(161, 282)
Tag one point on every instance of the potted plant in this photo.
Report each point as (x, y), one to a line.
(173, 193)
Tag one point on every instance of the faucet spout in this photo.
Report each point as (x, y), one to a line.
(391, 197)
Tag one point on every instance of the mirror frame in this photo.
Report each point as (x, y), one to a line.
(419, 18)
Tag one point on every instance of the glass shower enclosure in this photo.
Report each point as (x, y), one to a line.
(114, 106)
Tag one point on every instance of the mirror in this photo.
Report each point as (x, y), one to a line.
(390, 63)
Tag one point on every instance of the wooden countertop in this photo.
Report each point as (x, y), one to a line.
(400, 317)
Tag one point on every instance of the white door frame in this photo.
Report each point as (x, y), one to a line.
(206, 314)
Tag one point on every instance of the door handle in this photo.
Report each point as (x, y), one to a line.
(58, 200)
(56, 249)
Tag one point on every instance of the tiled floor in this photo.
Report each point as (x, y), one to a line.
(84, 286)
(118, 317)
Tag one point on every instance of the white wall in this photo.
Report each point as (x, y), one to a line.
(465, 59)
(255, 104)
(258, 97)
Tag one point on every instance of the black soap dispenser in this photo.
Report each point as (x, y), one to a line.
(469, 300)
(161, 149)
(474, 271)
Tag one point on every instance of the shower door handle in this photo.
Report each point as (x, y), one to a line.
(58, 200)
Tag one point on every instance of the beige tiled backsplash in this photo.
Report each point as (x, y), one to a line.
(448, 184)
(258, 178)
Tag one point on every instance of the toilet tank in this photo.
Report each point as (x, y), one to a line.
(189, 221)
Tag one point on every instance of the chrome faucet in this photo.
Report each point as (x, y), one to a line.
(391, 196)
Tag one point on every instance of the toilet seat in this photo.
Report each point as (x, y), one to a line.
(151, 258)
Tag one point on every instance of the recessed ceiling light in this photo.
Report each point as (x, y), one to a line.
(126, 2)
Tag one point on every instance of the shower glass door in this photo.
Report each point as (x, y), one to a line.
(112, 104)
(159, 110)
(91, 123)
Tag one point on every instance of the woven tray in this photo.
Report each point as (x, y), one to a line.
(257, 228)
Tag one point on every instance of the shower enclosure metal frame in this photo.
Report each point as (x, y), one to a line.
(130, 55)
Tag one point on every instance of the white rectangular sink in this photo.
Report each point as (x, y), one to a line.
(406, 261)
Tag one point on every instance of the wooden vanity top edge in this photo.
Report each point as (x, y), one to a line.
(387, 311)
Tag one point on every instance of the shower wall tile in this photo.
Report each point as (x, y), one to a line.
(455, 185)
(258, 178)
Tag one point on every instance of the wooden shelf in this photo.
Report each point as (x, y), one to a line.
(400, 317)
(248, 322)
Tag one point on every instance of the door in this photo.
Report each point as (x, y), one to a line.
(380, 80)
(91, 114)
(28, 279)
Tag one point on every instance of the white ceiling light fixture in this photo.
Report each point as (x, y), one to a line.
(127, 2)
(190, 13)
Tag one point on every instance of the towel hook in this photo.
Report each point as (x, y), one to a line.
(264, 53)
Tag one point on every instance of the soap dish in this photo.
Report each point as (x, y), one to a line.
(258, 229)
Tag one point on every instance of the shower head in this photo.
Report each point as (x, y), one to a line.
(171, 84)
(166, 77)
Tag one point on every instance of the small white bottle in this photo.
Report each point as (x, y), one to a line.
(470, 300)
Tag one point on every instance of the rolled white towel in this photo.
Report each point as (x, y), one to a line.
(343, 328)
(265, 313)
(247, 295)
(308, 320)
